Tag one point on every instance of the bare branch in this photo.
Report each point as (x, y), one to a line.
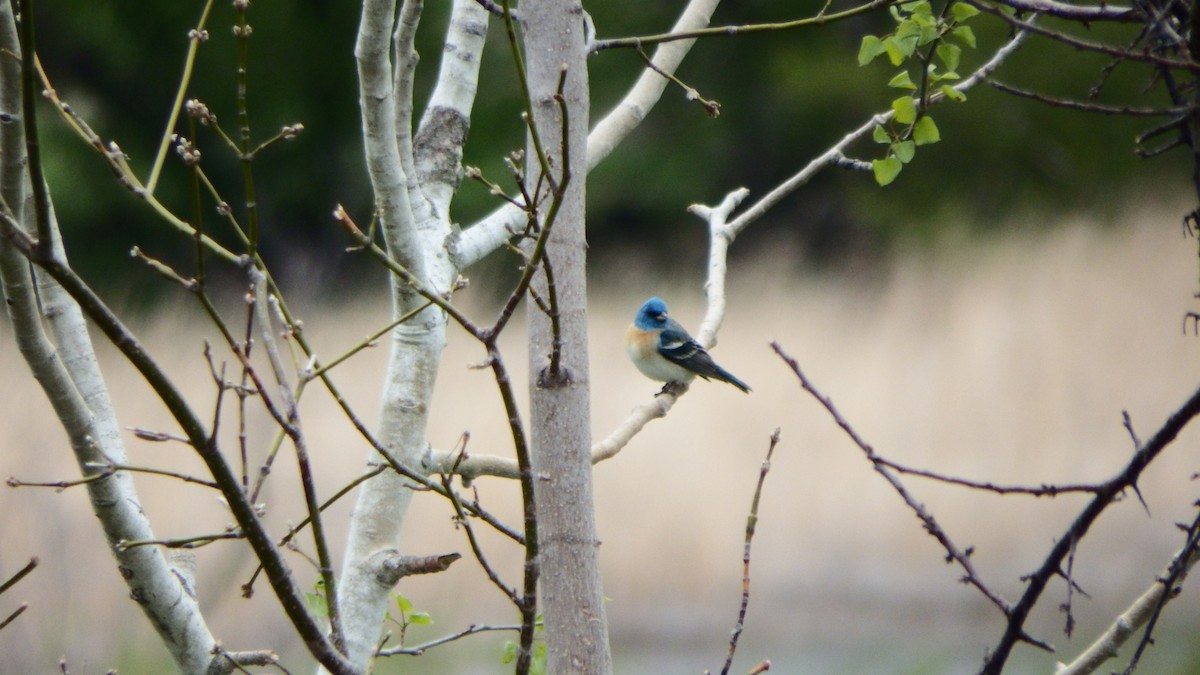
(1139, 614)
(196, 37)
(646, 92)
(1081, 13)
(479, 240)
(1044, 490)
(720, 236)
(1145, 55)
(125, 341)
(391, 567)
(18, 575)
(962, 557)
(1088, 106)
(12, 617)
(422, 648)
(751, 525)
(1036, 582)
(747, 29)
(836, 154)
(470, 466)
(462, 521)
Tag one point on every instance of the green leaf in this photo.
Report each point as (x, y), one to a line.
(905, 41)
(403, 603)
(953, 94)
(537, 665)
(509, 653)
(962, 11)
(920, 8)
(881, 135)
(924, 20)
(925, 131)
(908, 29)
(886, 170)
(420, 619)
(870, 48)
(316, 604)
(949, 55)
(965, 35)
(895, 55)
(929, 34)
(905, 151)
(902, 80)
(905, 109)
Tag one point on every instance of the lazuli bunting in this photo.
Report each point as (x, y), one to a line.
(664, 351)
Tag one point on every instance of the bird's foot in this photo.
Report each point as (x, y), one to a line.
(673, 388)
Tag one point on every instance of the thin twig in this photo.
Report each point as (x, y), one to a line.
(126, 342)
(1088, 106)
(1148, 605)
(19, 575)
(460, 518)
(712, 108)
(11, 617)
(422, 648)
(751, 525)
(971, 576)
(1170, 587)
(745, 29)
(1145, 56)
(1128, 476)
(196, 37)
(1044, 490)
(112, 155)
(181, 542)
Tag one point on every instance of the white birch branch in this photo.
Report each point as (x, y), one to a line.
(404, 76)
(646, 92)
(447, 119)
(1107, 645)
(71, 379)
(415, 233)
(720, 236)
(471, 466)
(836, 153)
(378, 102)
(485, 236)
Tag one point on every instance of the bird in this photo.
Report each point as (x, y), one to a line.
(664, 351)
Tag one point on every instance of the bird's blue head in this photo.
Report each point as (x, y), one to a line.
(652, 315)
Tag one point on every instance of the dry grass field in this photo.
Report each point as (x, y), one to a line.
(1008, 359)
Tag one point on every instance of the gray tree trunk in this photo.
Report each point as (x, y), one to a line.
(573, 601)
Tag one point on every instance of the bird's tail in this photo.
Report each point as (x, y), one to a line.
(727, 376)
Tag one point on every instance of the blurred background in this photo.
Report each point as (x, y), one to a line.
(990, 315)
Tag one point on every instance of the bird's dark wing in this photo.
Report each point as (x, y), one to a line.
(675, 345)
(678, 347)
